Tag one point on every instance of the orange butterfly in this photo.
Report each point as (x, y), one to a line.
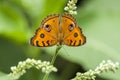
(58, 29)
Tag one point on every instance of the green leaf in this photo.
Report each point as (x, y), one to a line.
(12, 23)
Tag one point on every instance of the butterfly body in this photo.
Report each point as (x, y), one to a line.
(56, 29)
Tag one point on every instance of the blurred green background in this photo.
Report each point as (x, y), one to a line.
(100, 23)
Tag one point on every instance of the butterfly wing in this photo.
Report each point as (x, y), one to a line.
(72, 33)
(46, 35)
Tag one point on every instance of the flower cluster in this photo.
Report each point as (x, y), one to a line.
(91, 74)
(20, 69)
(71, 7)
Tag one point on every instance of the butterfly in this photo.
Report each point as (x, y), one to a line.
(58, 29)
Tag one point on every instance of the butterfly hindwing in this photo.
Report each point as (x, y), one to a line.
(46, 35)
(43, 39)
(75, 38)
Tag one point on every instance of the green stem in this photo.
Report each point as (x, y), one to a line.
(55, 55)
(53, 60)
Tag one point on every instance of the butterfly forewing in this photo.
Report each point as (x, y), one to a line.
(67, 22)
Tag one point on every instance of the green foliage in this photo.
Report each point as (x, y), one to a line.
(99, 21)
